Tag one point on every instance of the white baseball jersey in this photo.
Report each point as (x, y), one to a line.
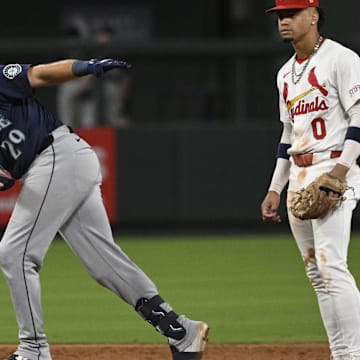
(317, 104)
(315, 96)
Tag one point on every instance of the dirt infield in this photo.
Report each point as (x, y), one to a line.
(162, 352)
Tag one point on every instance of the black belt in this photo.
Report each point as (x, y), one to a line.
(48, 140)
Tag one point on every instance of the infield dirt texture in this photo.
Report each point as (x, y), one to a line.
(161, 352)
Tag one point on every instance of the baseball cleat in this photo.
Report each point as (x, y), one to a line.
(16, 357)
(193, 345)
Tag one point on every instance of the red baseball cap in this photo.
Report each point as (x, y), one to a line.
(293, 4)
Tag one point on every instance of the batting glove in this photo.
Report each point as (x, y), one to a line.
(97, 67)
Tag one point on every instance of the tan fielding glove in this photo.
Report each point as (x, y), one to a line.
(308, 203)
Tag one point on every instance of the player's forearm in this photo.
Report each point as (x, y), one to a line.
(280, 176)
(64, 70)
(51, 73)
(351, 150)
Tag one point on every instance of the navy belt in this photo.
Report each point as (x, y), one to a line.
(48, 140)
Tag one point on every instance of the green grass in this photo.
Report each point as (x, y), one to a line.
(248, 288)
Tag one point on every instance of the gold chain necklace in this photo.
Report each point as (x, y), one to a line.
(297, 77)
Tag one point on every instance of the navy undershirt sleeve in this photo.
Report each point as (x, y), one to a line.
(282, 151)
(353, 133)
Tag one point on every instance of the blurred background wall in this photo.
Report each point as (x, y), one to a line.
(198, 143)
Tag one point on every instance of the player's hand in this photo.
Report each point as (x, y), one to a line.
(270, 206)
(98, 67)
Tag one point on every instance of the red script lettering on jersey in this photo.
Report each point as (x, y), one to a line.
(354, 90)
(303, 107)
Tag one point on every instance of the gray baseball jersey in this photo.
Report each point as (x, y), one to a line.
(60, 193)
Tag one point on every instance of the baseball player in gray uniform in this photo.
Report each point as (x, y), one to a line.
(39, 149)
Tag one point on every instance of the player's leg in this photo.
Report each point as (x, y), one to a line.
(332, 237)
(21, 263)
(22, 249)
(88, 233)
(45, 200)
(303, 234)
(312, 251)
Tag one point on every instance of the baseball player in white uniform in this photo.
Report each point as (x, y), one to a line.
(319, 103)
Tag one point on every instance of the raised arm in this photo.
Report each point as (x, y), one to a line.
(64, 70)
(51, 74)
